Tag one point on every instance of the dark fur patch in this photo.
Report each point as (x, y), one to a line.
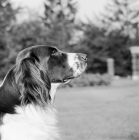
(32, 87)
(9, 94)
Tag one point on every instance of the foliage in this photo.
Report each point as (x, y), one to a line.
(118, 48)
(112, 39)
(122, 15)
(57, 27)
(29, 33)
(94, 44)
(7, 21)
(120, 20)
(99, 46)
(59, 18)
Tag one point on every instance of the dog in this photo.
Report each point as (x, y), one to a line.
(28, 90)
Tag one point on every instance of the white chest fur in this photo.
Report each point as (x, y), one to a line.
(30, 123)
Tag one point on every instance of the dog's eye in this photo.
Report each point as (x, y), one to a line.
(54, 52)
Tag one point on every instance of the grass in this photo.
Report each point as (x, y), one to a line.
(100, 113)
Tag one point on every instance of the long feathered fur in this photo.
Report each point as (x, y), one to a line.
(32, 85)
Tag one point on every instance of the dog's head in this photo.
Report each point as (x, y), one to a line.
(38, 67)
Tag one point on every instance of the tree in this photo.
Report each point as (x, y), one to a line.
(99, 46)
(7, 19)
(59, 18)
(29, 33)
(122, 15)
(121, 23)
(93, 43)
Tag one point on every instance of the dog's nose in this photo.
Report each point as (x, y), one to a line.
(82, 56)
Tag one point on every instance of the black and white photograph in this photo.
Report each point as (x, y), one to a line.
(69, 69)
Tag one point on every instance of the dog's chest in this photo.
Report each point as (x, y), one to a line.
(30, 123)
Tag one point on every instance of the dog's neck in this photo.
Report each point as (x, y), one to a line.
(54, 87)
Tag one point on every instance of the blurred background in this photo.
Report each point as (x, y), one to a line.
(108, 32)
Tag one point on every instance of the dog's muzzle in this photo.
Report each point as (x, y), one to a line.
(77, 62)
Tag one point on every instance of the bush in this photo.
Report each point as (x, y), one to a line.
(89, 80)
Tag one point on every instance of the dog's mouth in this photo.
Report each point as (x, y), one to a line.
(67, 79)
(75, 75)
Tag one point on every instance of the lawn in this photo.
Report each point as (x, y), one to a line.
(104, 113)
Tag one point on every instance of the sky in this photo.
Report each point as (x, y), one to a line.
(86, 8)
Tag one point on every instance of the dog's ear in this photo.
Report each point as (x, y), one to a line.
(34, 84)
